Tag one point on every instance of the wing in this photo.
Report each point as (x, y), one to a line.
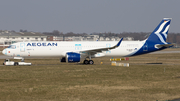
(94, 51)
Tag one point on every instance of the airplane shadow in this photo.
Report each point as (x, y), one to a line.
(155, 63)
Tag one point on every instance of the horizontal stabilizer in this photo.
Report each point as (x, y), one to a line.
(164, 45)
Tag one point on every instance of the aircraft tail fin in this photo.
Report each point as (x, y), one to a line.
(159, 35)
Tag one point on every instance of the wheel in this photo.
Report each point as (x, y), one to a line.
(86, 62)
(15, 64)
(91, 62)
(63, 59)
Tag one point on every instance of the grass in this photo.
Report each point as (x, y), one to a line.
(1, 49)
(50, 80)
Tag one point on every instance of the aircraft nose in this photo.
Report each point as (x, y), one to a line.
(3, 51)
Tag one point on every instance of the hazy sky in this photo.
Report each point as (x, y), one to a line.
(88, 16)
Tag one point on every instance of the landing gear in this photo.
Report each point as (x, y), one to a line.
(22, 60)
(63, 59)
(88, 62)
(91, 62)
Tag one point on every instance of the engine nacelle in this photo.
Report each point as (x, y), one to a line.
(73, 57)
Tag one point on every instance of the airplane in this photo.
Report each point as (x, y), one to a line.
(84, 51)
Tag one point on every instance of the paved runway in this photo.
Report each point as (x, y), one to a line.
(5, 57)
(162, 52)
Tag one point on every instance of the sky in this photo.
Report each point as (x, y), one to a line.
(88, 16)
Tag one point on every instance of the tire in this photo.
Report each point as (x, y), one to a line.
(91, 62)
(86, 62)
(16, 63)
(63, 59)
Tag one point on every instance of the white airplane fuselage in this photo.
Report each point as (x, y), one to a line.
(59, 49)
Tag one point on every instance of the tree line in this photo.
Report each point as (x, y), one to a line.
(172, 37)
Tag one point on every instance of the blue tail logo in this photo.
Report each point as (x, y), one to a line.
(159, 35)
(157, 39)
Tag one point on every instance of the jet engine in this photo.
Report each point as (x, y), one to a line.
(73, 57)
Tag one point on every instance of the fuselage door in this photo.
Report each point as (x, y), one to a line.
(22, 47)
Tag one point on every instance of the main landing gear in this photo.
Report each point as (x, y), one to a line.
(88, 62)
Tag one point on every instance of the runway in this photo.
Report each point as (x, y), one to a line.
(5, 57)
(162, 52)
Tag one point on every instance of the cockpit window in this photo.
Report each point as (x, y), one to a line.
(12, 47)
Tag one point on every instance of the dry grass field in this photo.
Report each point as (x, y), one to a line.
(1, 50)
(150, 77)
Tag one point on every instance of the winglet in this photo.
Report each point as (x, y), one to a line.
(119, 42)
(117, 45)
